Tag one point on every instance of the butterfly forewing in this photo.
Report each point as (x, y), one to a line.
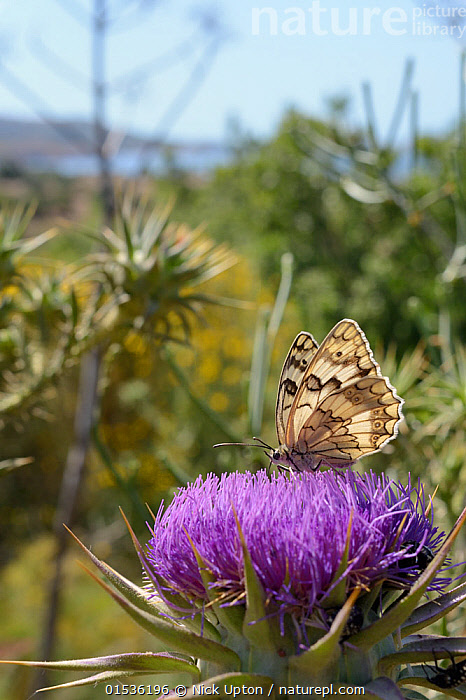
(344, 356)
(296, 363)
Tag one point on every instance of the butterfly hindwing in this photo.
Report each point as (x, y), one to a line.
(353, 422)
(296, 363)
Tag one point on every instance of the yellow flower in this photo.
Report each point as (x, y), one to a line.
(209, 368)
(219, 401)
(232, 375)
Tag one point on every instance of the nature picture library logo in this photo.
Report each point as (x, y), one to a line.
(422, 19)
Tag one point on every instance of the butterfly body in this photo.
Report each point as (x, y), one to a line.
(294, 460)
(300, 461)
(333, 404)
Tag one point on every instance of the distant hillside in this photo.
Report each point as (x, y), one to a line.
(67, 146)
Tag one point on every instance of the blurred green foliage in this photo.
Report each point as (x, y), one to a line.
(371, 239)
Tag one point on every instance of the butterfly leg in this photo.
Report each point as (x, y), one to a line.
(314, 469)
(282, 469)
(337, 471)
(438, 670)
(433, 669)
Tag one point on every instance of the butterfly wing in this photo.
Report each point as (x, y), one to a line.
(297, 361)
(343, 358)
(352, 422)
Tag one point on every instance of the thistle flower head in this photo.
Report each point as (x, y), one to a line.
(305, 534)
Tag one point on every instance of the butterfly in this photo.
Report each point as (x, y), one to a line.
(333, 404)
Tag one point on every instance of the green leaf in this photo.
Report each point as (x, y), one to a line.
(155, 662)
(423, 650)
(31, 244)
(420, 679)
(154, 227)
(267, 326)
(259, 370)
(384, 689)
(174, 635)
(13, 224)
(138, 597)
(231, 617)
(131, 592)
(325, 653)
(106, 676)
(258, 629)
(116, 666)
(198, 624)
(74, 308)
(433, 610)
(128, 236)
(337, 595)
(15, 462)
(413, 695)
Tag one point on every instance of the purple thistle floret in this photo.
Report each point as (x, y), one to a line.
(295, 527)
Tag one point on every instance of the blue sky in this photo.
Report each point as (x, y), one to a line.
(288, 55)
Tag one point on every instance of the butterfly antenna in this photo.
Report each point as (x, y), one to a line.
(262, 443)
(259, 443)
(242, 444)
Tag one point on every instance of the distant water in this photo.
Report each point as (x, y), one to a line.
(190, 158)
(130, 162)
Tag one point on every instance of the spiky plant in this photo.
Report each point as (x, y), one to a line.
(38, 316)
(438, 409)
(150, 267)
(15, 247)
(143, 278)
(285, 582)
